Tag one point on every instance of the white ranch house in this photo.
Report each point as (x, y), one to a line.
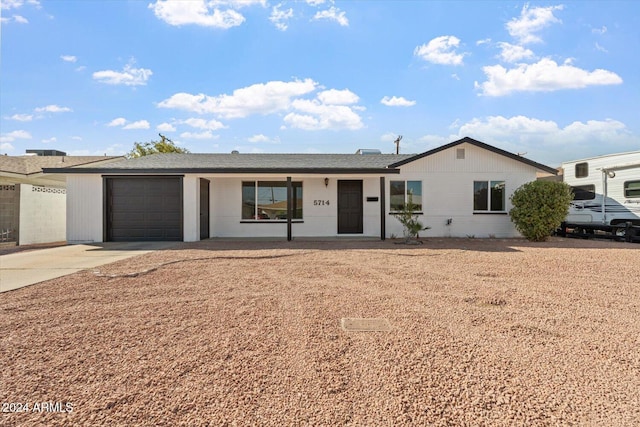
(462, 189)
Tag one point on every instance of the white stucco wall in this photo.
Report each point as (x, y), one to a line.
(84, 208)
(318, 219)
(447, 187)
(42, 214)
(191, 208)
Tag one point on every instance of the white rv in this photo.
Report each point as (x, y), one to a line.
(606, 189)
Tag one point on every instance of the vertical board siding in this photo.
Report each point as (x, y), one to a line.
(42, 214)
(84, 208)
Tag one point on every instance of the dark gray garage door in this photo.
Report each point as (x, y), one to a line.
(143, 209)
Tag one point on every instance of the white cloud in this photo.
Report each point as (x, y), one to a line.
(338, 97)
(76, 138)
(532, 21)
(388, 137)
(441, 50)
(262, 98)
(81, 68)
(329, 110)
(316, 116)
(513, 53)
(5, 146)
(315, 2)
(204, 124)
(197, 12)
(112, 150)
(333, 14)
(483, 41)
(53, 109)
(280, 18)
(16, 134)
(50, 140)
(68, 58)
(397, 101)
(543, 76)
(258, 138)
(599, 30)
(140, 124)
(15, 4)
(202, 135)
(600, 48)
(166, 127)
(545, 140)
(120, 121)
(129, 76)
(22, 117)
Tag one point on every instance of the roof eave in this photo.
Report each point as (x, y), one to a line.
(280, 171)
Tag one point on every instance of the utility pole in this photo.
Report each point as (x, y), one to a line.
(164, 138)
(397, 142)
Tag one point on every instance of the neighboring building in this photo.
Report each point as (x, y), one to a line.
(33, 203)
(606, 189)
(461, 188)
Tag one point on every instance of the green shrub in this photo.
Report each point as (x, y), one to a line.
(539, 207)
(409, 220)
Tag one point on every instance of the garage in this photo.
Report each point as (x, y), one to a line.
(143, 208)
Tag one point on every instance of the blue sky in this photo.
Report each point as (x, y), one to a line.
(555, 80)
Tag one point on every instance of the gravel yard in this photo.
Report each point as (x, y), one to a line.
(483, 332)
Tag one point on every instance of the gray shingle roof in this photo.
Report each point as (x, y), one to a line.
(278, 163)
(250, 162)
(27, 165)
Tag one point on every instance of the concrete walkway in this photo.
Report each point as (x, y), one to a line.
(26, 268)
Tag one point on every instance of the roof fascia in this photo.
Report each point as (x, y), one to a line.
(279, 171)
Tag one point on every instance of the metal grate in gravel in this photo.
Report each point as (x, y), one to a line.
(365, 324)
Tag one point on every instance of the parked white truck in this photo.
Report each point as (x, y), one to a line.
(607, 195)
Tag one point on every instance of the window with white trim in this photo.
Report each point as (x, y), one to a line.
(489, 196)
(400, 192)
(267, 200)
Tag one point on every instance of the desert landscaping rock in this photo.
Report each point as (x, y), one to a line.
(484, 332)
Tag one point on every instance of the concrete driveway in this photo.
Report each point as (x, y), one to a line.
(26, 268)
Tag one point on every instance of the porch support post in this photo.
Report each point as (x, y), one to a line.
(289, 207)
(383, 219)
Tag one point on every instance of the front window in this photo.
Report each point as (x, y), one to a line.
(632, 189)
(489, 196)
(267, 200)
(401, 192)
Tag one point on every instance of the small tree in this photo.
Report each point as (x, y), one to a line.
(165, 145)
(539, 207)
(409, 220)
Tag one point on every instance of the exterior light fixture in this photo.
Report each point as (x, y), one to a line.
(326, 182)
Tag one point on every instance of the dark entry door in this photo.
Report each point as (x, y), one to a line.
(349, 207)
(204, 208)
(143, 208)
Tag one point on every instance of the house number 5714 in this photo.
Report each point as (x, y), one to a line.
(320, 203)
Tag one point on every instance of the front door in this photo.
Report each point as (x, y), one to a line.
(204, 209)
(350, 207)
